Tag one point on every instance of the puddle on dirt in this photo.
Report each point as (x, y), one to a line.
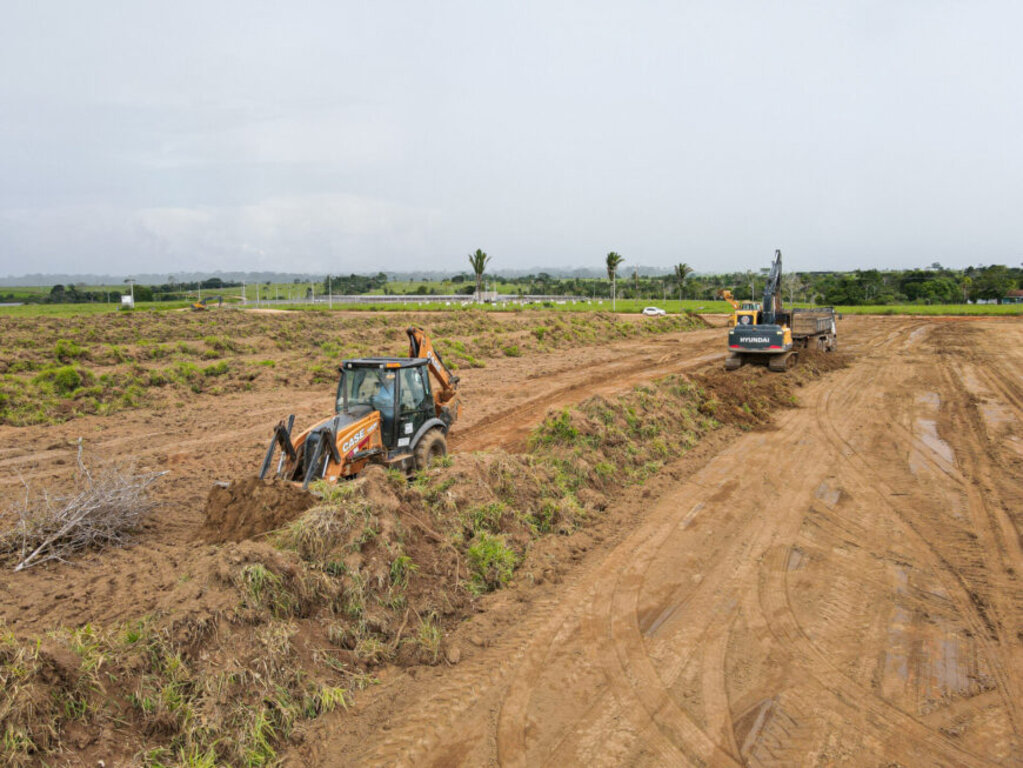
(797, 559)
(751, 723)
(940, 453)
(996, 415)
(927, 657)
(928, 432)
(914, 337)
(895, 666)
(827, 494)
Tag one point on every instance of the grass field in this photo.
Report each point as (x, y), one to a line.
(627, 306)
(935, 309)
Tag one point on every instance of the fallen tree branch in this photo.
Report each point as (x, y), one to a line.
(102, 509)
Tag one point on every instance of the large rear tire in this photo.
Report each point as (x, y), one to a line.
(431, 446)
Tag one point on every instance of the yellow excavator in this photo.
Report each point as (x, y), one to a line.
(744, 314)
(395, 411)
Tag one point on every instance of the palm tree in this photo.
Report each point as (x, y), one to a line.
(682, 271)
(614, 260)
(478, 262)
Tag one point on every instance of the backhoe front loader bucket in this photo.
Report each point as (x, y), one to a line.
(282, 436)
(323, 444)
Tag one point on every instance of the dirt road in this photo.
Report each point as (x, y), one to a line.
(841, 590)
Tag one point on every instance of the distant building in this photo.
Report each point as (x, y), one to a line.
(1013, 297)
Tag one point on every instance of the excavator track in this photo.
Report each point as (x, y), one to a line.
(782, 362)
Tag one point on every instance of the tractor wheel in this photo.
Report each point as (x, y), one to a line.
(432, 446)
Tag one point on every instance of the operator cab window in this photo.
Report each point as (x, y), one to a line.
(364, 387)
(413, 392)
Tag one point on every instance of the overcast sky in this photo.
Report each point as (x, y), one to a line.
(356, 136)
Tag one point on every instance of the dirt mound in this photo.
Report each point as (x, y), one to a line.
(250, 507)
(822, 362)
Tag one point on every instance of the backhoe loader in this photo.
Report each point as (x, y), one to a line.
(389, 410)
(203, 304)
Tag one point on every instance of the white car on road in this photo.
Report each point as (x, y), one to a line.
(653, 311)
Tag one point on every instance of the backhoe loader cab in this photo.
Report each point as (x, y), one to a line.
(399, 389)
(392, 410)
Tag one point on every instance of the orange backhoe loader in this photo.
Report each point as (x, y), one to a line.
(390, 410)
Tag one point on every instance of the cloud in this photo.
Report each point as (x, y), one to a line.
(305, 232)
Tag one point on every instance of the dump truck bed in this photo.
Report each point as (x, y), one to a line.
(810, 322)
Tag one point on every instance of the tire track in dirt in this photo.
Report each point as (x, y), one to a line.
(629, 670)
(600, 680)
(939, 564)
(509, 428)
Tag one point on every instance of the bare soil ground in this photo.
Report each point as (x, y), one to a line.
(840, 588)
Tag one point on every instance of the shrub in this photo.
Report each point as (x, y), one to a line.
(556, 429)
(491, 561)
(217, 369)
(63, 380)
(66, 350)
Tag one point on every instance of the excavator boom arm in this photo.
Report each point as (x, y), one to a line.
(772, 290)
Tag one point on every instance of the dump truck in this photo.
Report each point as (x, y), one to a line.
(774, 335)
(394, 411)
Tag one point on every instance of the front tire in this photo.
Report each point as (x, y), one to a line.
(432, 446)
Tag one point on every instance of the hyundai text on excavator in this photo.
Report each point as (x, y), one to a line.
(390, 410)
(773, 334)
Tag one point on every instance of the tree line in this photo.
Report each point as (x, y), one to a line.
(934, 285)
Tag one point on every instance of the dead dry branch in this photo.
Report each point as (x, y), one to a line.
(102, 508)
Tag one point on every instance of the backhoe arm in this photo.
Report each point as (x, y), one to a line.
(727, 296)
(419, 345)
